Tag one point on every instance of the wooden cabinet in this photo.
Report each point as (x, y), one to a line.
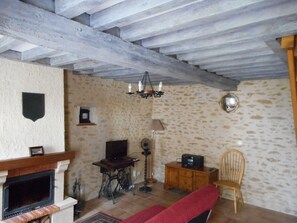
(188, 179)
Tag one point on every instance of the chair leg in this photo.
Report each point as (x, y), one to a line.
(235, 201)
(241, 197)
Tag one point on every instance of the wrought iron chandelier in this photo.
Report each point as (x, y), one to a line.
(145, 88)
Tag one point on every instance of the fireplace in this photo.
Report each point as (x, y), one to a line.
(21, 178)
(25, 193)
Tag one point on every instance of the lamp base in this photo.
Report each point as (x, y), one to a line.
(145, 189)
(151, 180)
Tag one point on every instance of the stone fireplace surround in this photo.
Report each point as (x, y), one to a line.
(62, 209)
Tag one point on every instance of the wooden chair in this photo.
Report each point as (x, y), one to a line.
(232, 167)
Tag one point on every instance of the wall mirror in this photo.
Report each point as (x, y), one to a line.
(229, 102)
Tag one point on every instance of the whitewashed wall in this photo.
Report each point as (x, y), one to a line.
(262, 129)
(17, 132)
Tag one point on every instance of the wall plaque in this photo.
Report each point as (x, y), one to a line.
(33, 105)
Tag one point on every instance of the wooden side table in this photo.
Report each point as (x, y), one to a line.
(188, 179)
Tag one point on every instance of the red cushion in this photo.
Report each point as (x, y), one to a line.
(144, 215)
(188, 207)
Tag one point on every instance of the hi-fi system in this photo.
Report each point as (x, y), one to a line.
(192, 161)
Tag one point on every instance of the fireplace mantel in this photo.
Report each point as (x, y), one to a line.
(25, 162)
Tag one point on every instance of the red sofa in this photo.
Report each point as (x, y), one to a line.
(194, 208)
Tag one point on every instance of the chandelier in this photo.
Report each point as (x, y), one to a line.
(145, 88)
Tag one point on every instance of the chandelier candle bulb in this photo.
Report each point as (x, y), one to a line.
(160, 86)
(129, 88)
(139, 86)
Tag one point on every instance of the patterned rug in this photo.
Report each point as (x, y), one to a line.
(100, 218)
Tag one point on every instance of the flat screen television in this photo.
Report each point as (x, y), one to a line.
(116, 149)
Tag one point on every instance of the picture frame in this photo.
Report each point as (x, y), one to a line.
(36, 151)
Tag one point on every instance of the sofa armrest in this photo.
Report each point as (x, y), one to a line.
(188, 207)
(144, 215)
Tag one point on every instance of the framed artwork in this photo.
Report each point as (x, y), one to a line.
(36, 151)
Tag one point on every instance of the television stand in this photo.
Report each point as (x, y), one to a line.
(115, 170)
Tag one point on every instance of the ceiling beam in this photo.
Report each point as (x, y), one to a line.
(37, 53)
(199, 13)
(233, 56)
(229, 48)
(132, 11)
(266, 32)
(6, 43)
(235, 23)
(39, 27)
(73, 8)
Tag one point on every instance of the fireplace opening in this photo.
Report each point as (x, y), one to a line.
(27, 192)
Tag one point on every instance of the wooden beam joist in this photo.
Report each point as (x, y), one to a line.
(39, 27)
(289, 44)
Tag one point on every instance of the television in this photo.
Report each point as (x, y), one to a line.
(116, 149)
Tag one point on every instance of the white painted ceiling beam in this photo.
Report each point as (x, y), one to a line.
(66, 59)
(226, 49)
(232, 23)
(267, 76)
(267, 32)
(108, 67)
(104, 5)
(117, 72)
(256, 70)
(73, 8)
(37, 53)
(24, 22)
(191, 15)
(239, 62)
(133, 11)
(238, 68)
(90, 64)
(259, 74)
(233, 56)
(7, 43)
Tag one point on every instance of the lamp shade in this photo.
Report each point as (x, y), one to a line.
(157, 125)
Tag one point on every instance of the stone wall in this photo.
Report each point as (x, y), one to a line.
(19, 133)
(117, 116)
(262, 128)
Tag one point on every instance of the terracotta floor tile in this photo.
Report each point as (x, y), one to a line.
(129, 204)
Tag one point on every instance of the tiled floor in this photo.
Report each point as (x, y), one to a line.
(129, 204)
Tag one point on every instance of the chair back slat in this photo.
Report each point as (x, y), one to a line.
(232, 166)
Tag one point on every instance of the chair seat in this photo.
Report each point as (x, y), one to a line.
(227, 183)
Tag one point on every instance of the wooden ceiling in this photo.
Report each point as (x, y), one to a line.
(214, 42)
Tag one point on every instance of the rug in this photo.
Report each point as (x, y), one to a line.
(100, 217)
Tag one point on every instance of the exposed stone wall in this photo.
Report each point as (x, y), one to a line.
(262, 128)
(19, 133)
(117, 116)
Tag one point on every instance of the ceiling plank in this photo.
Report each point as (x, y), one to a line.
(87, 65)
(37, 53)
(185, 17)
(235, 23)
(66, 59)
(251, 61)
(246, 54)
(38, 26)
(6, 43)
(242, 67)
(104, 5)
(228, 48)
(73, 8)
(264, 32)
(133, 11)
